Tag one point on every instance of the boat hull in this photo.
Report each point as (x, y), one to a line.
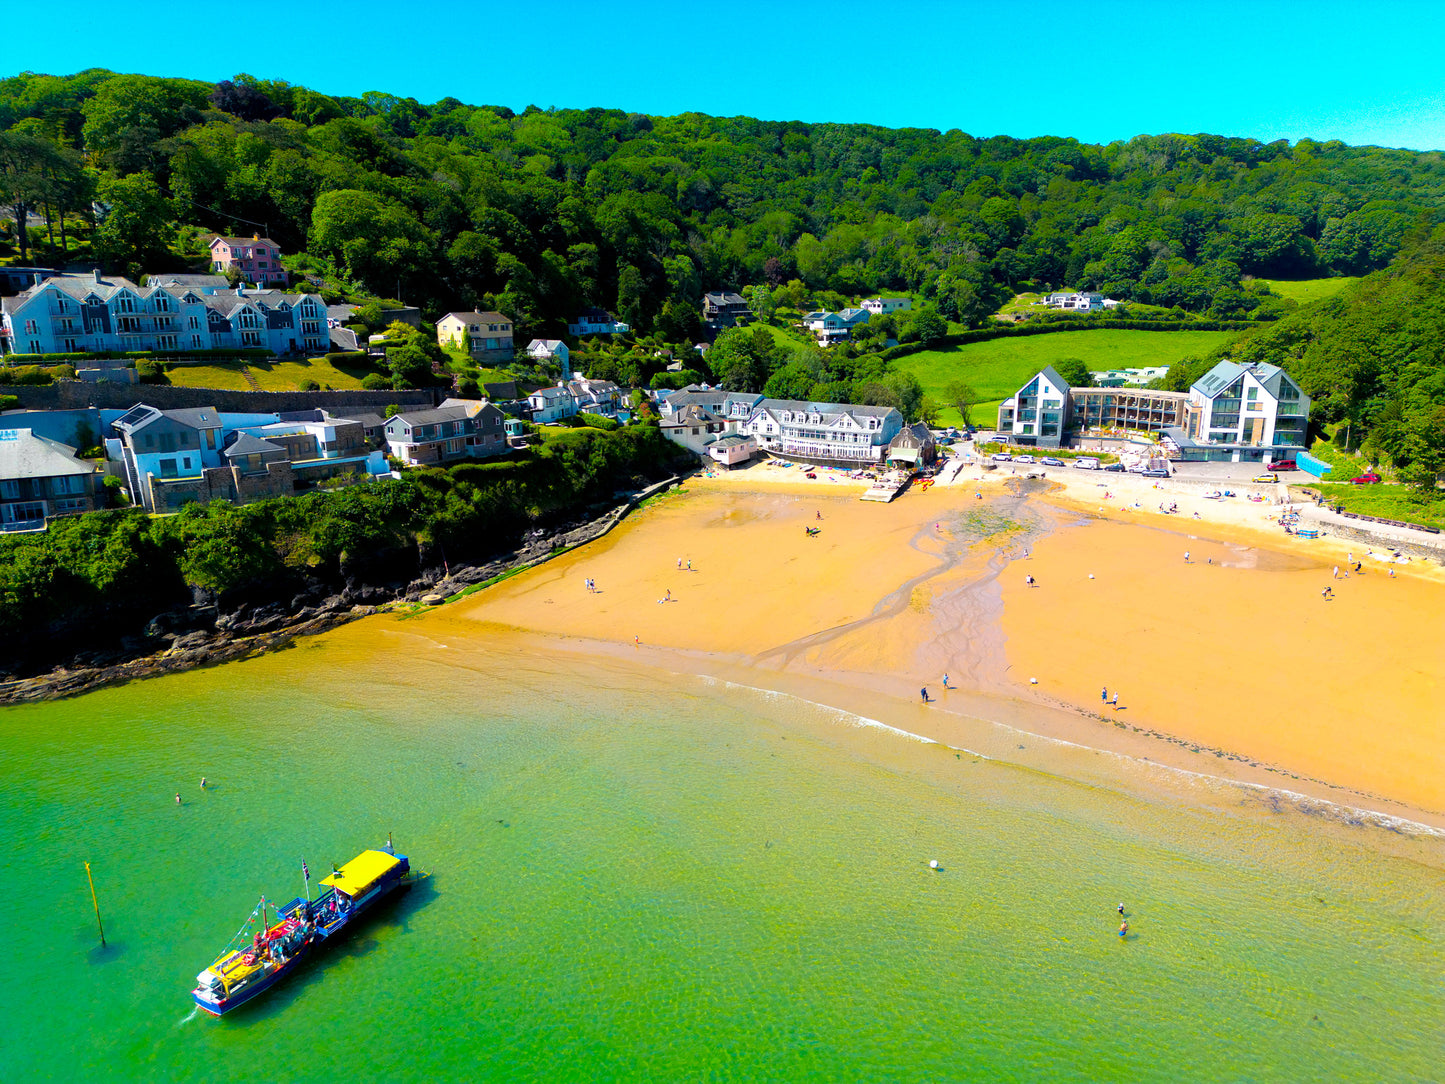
(323, 932)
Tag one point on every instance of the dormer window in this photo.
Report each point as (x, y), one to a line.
(125, 303)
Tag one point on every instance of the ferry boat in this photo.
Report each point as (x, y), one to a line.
(247, 968)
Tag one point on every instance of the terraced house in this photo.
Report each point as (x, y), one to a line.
(94, 313)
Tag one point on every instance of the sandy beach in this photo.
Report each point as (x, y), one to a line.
(1230, 664)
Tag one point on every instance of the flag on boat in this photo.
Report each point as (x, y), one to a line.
(304, 871)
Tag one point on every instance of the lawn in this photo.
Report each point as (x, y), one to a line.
(999, 367)
(271, 376)
(1306, 290)
(1404, 503)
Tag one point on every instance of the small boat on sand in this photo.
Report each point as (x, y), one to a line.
(267, 949)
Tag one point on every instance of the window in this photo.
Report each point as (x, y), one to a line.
(163, 303)
(186, 462)
(195, 342)
(70, 346)
(125, 304)
(128, 325)
(69, 483)
(30, 328)
(168, 468)
(10, 489)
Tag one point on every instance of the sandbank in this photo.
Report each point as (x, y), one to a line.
(1236, 668)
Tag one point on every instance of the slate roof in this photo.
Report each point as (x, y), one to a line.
(239, 242)
(548, 345)
(480, 317)
(1227, 372)
(26, 455)
(246, 444)
(194, 282)
(431, 417)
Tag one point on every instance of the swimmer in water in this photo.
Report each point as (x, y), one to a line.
(1124, 928)
(178, 799)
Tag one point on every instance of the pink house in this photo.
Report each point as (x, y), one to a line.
(257, 258)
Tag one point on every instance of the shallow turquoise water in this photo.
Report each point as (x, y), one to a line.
(643, 876)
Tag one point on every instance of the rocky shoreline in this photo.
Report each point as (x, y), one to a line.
(202, 635)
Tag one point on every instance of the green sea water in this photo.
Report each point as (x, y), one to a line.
(640, 875)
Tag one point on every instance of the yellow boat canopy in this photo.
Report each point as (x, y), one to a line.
(362, 872)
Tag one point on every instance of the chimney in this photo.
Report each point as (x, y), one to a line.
(95, 272)
(255, 237)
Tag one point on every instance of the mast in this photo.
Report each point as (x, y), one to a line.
(96, 904)
(306, 876)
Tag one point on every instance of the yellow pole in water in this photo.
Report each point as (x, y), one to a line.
(96, 904)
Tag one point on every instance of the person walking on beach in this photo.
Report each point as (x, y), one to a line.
(1115, 702)
(1186, 557)
(1104, 694)
(945, 681)
(679, 562)
(923, 692)
(1337, 571)
(1029, 580)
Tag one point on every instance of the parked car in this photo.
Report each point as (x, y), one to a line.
(1365, 479)
(1002, 457)
(1264, 478)
(1084, 463)
(1117, 468)
(1283, 464)
(1156, 472)
(1023, 459)
(1050, 461)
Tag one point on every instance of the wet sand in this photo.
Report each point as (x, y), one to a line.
(1236, 669)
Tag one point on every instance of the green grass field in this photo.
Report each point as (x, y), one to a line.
(998, 368)
(1306, 290)
(1404, 503)
(272, 376)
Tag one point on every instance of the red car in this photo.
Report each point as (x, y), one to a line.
(1366, 479)
(1283, 464)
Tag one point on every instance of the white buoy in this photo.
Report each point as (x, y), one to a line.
(933, 863)
(1033, 681)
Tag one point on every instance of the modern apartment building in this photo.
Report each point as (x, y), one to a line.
(1244, 413)
(1039, 413)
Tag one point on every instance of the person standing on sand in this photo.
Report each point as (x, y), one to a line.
(1104, 694)
(923, 692)
(945, 681)
(1115, 702)
(1186, 557)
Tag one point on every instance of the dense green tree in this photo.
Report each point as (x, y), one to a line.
(134, 234)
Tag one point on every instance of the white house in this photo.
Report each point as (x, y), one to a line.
(733, 448)
(827, 431)
(1087, 301)
(695, 428)
(597, 322)
(596, 396)
(1038, 413)
(882, 306)
(551, 404)
(553, 351)
(1244, 414)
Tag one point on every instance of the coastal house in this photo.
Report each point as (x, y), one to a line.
(171, 457)
(489, 434)
(483, 335)
(1038, 413)
(831, 327)
(734, 406)
(723, 308)
(552, 353)
(94, 313)
(829, 432)
(40, 478)
(912, 447)
(694, 427)
(1243, 413)
(257, 259)
(596, 396)
(551, 404)
(882, 306)
(732, 449)
(594, 321)
(446, 433)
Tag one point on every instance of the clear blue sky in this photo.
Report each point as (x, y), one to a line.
(1098, 71)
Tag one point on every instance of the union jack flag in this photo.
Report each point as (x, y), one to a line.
(304, 871)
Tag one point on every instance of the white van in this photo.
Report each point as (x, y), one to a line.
(1085, 463)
